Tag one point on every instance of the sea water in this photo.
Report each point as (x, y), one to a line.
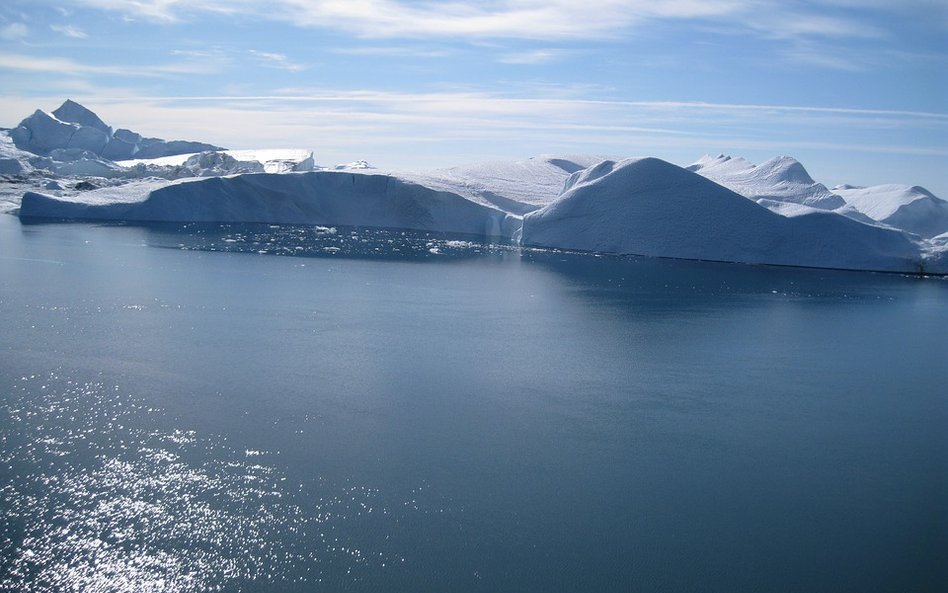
(284, 408)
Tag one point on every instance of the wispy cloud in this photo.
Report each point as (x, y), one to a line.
(392, 51)
(809, 56)
(69, 31)
(489, 102)
(517, 19)
(530, 57)
(276, 60)
(63, 66)
(14, 32)
(747, 107)
(165, 11)
(69, 67)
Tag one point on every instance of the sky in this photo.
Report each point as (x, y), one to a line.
(857, 90)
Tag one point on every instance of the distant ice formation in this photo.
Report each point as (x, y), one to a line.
(74, 142)
(72, 126)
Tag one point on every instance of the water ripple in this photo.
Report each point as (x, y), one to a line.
(93, 499)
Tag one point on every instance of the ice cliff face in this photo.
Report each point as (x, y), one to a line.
(324, 197)
(73, 127)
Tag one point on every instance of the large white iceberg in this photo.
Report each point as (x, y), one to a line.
(720, 208)
(647, 206)
(321, 197)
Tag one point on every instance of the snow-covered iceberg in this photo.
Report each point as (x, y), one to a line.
(784, 186)
(647, 206)
(781, 179)
(321, 197)
(910, 208)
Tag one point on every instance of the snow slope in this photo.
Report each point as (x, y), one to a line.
(910, 208)
(323, 197)
(781, 179)
(516, 187)
(650, 207)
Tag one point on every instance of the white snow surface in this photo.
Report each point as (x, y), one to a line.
(781, 179)
(910, 208)
(646, 206)
(516, 187)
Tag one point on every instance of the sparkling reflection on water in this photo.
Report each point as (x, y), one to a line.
(94, 500)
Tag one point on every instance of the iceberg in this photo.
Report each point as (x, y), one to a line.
(720, 208)
(319, 198)
(646, 206)
(910, 208)
(224, 162)
(641, 206)
(781, 179)
(783, 186)
(74, 126)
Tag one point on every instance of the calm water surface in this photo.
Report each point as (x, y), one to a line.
(256, 408)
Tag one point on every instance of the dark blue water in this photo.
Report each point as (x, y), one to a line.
(257, 408)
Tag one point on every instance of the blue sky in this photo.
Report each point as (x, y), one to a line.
(857, 90)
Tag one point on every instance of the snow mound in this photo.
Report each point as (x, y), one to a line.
(910, 208)
(516, 187)
(74, 126)
(359, 165)
(781, 179)
(650, 207)
(322, 197)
